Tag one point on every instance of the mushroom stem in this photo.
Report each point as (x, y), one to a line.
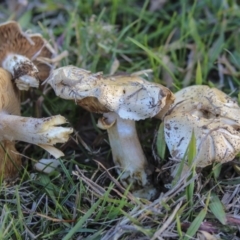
(43, 132)
(23, 71)
(126, 149)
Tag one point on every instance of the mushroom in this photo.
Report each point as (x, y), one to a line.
(26, 56)
(122, 100)
(42, 132)
(213, 117)
(47, 165)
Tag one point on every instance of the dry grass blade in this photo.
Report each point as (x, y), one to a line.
(116, 232)
(158, 233)
(50, 218)
(98, 190)
(117, 183)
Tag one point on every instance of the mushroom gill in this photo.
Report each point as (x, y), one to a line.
(26, 56)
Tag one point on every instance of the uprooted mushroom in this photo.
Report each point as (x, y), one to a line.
(122, 100)
(28, 57)
(42, 132)
(213, 117)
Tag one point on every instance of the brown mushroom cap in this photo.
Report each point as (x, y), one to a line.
(215, 119)
(32, 46)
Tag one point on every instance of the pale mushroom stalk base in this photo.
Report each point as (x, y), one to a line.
(23, 71)
(127, 154)
(43, 132)
(126, 149)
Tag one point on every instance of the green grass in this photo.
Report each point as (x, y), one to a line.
(182, 43)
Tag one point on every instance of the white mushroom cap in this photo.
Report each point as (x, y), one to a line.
(131, 97)
(212, 100)
(215, 119)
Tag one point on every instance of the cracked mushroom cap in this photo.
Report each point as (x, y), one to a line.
(131, 97)
(32, 46)
(215, 119)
